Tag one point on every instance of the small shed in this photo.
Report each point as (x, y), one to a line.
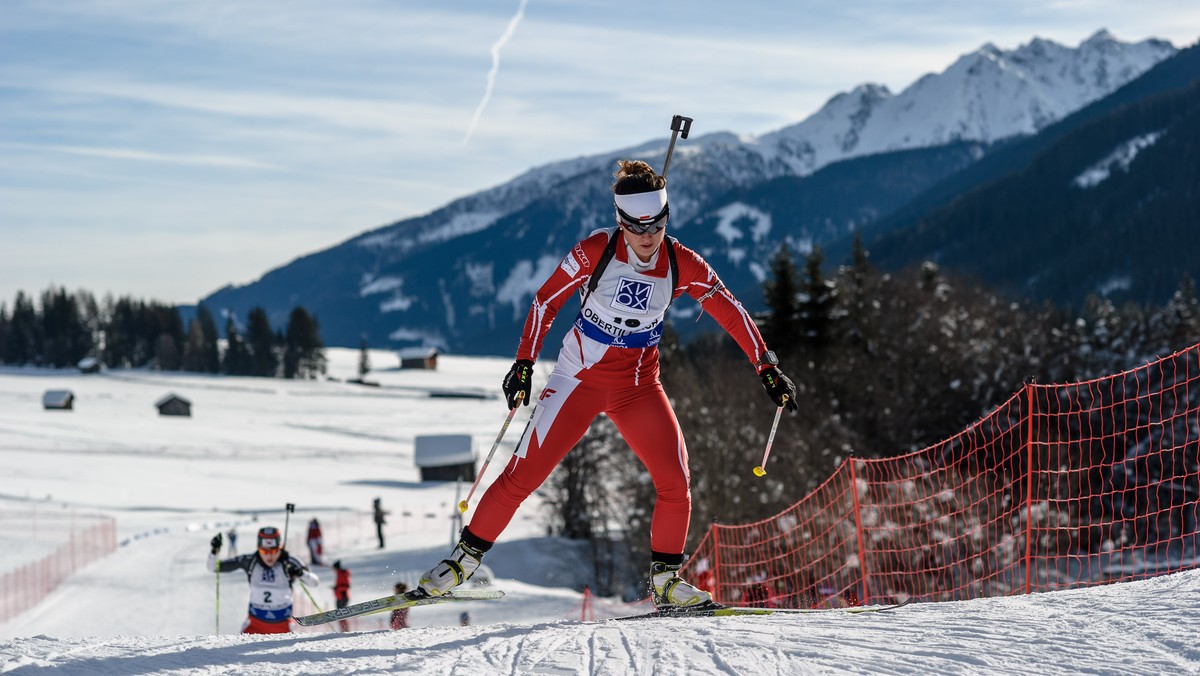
(173, 404)
(419, 358)
(89, 365)
(445, 457)
(58, 400)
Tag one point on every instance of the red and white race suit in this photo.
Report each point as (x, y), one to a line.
(608, 364)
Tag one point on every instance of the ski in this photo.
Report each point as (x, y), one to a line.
(735, 611)
(393, 602)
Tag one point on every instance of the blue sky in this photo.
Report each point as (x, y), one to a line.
(163, 149)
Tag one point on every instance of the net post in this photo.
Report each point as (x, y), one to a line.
(1028, 485)
(716, 560)
(862, 552)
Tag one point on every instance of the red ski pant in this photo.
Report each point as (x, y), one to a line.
(562, 414)
(253, 625)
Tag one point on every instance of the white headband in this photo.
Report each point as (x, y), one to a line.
(643, 205)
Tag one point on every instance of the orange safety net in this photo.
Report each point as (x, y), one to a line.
(1061, 486)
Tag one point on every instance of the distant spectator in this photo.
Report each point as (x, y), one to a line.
(315, 551)
(341, 590)
(400, 615)
(464, 619)
(379, 520)
(232, 536)
(757, 595)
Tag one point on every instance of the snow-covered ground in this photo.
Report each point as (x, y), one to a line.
(253, 445)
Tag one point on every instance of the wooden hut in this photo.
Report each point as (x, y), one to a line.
(419, 358)
(445, 457)
(58, 400)
(173, 404)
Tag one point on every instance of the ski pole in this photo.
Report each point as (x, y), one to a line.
(462, 506)
(286, 519)
(761, 469)
(680, 126)
(218, 597)
(310, 597)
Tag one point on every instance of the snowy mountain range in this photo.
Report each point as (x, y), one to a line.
(463, 275)
(985, 96)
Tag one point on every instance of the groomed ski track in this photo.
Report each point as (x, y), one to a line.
(1145, 627)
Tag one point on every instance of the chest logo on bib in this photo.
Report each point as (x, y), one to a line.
(632, 295)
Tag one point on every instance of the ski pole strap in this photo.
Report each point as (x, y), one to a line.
(640, 339)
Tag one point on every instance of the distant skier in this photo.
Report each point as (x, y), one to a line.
(341, 591)
(315, 547)
(232, 535)
(271, 572)
(627, 277)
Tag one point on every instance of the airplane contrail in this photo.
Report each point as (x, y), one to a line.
(491, 78)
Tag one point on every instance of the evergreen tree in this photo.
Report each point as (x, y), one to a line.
(123, 342)
(4, 330)
(166, 353)
(201, 352)
(237, 356)
(164, 326)
(261, 341)
(303, 354)
(212, 348)
(859, 307)
(24, 340)
(93, 324)
(781, 330)
(193, 348)
(818, 297)
(1182, 317)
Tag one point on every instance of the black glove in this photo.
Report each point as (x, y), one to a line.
(518, 380)
(216, 544)
(779, 386)
(293, 568)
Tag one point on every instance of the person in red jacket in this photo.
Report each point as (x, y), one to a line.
(627, 277)
(399, 619)
(315, 545)
(341, 591)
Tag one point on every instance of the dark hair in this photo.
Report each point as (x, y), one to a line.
(635, 176)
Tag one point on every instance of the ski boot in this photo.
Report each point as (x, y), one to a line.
(671, 592)
(451, 572)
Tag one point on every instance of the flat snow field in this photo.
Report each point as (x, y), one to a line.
(253, 445)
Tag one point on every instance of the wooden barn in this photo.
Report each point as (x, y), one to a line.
(445, 457)
(173, 404)
(58, 400)
(419, 358)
